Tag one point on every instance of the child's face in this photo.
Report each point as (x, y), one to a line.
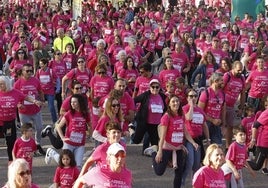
(66, 160)
(240, 137)
(114, 136)
(28, 133)
(170, 88)
(250, 112)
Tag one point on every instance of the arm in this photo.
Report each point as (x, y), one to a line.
(189, 114)
(90, 161)
(130, 116)
(59, 128)
(251, 171)
(223, 116)
(64, 85)
(233, 168)
(96, 135)
(79, 183)
(206, 132)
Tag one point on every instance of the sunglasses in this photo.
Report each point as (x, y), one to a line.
(155, 87)
(22, 37)
(22, 173)
(23, 47)
(120, 154)
(80, 62)
(115, 105)
(141, 72)
(20, 52)
(252, 38)
(192, 96)
(77, 88)
(101, 72)
(29, 71)
(58, 53)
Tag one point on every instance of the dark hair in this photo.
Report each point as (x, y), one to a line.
(74, 82)
(238, 129)
(25, 127)
(70, 154)
(125, 62)
(169, 111)
(44, 61)
(110, 125)
(146, 66)
(83, 105)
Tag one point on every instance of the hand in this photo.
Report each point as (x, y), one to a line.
(158, 157)
(237, 175)
(195, 146)
(216, 122)
(252, 143)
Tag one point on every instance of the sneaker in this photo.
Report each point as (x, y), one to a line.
(49, 155)
(131, 129)
(18, 126)
(150, 150)
(264, 171)
(46, 130)
(40, 150)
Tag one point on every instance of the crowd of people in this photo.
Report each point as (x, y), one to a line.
(169, 74)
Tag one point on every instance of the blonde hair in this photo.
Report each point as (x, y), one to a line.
(211, 148)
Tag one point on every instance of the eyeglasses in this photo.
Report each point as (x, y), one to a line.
(77, 88)
(115, 105)
(23, 47)
(192, 96)
(20, 52)
(22, 173)
(155, 87)
(120, 154)
(58, 53)
(101, 72)
(80, 62)
(29, 71)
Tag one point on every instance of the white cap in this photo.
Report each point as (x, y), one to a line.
(154, 81)
(115, 148)
(223, 25)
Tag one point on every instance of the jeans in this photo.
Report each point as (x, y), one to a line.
(51, 107)
(214, 133)
(192, 161)
(37, 121)
(160, 168)
(78, 152)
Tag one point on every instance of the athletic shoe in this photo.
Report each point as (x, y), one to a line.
(49, 155)
(264, 171)
(40, 150)
(46, 130)
(131, 129)
(150, 150)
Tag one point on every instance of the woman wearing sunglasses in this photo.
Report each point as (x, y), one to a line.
(152, 107)
(19, 175)
(197, 127)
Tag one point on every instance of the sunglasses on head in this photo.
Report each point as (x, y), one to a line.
(22, 173)
(115, 105)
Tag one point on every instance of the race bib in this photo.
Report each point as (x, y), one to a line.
(178, 67)
(44, 79)
(177, 137)
(27, 102)
(76, 137)
(95, 111)
(161, 43)
(156, 108)
(198, 118)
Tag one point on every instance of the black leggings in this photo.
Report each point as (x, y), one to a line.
(141, 129)
(160, 168)
(10, 133)
(260, 155)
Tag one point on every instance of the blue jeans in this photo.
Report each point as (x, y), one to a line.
(51, 107)
(214, 133)
(192, 161)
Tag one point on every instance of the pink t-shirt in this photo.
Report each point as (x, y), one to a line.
(233, 87)
(180, 60)
(206, 177)
(259, 83)
(142, 83)
(8, 104)
(155, 109)
(101, 125)
(103, 177)
(59, 68)
(195, 126)
(47, 79)
(247, 123)
(76, 128)
(101, 86)
(24, 149)
(166, 75)
(30, 87)
(214, 102)
(237, 153)
(128, 74)
(263, 135)
(175, 129)
(66, 177)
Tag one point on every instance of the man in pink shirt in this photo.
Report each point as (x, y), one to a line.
(234, 86)
(213, 103)
(28, 111)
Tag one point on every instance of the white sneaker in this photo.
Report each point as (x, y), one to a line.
(149, 151)
(49, 155)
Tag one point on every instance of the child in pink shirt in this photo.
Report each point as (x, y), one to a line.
(236, 159)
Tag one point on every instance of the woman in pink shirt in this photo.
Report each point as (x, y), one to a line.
(211, 175)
